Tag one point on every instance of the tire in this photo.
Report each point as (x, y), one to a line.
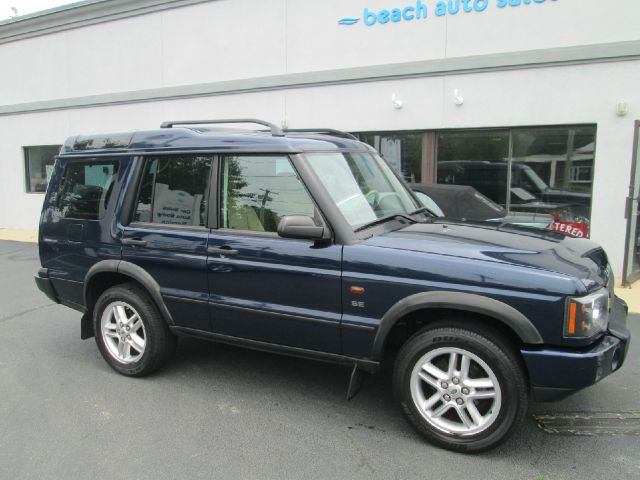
(143, 343)
(493, 395)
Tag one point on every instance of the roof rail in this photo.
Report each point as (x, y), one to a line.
(331, 131)
(275, 130)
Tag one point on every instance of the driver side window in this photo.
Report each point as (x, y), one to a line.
(258, 190)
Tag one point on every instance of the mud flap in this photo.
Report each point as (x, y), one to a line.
(355, 383)
(86, 326)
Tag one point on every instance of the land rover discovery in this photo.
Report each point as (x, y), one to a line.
(306, 243)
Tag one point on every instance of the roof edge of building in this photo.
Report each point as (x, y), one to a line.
(81, 14)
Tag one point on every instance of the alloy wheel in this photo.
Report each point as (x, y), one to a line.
(123, 332)
(455, 391)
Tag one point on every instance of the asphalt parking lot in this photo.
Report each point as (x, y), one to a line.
(224, 412)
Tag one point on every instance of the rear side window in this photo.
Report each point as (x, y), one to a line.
(174, 191)
(86, 188)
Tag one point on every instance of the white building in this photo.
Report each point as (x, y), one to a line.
(465, 91)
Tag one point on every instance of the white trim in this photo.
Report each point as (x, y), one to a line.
(587, 54)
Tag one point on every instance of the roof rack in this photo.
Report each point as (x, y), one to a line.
(331, 131)
(275, 130)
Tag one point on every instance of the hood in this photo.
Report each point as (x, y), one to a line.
(578, 258)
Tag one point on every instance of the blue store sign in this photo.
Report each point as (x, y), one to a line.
(423, 9)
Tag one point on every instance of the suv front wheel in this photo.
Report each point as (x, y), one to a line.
(462, 389)
(130, 332)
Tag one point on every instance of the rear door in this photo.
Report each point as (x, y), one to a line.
(264, 287)
(77, 219)
(167, 234)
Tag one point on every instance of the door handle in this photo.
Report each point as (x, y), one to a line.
(222, 250)
(133, 241)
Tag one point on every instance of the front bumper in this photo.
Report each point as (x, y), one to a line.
(555, 373)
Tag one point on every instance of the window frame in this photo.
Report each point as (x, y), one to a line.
(27, 169)
(575, 174)
(220, 191)
(131, 202)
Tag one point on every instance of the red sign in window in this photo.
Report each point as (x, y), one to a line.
(580, 230)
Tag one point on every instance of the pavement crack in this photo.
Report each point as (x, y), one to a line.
(24, 312)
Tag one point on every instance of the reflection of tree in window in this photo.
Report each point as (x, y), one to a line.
(233, 196)
(258, 191)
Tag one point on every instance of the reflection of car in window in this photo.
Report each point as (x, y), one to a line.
(460, 202)
(528, 191)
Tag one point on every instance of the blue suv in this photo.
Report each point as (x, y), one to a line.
(306, 243)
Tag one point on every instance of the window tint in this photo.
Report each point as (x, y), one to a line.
(38, 163)
(257, 191)
(86, 189)
(174, 191)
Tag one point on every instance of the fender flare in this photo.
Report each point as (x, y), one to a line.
(464, 302)
(135, 273)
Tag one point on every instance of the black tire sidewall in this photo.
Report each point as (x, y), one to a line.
(158, 341)
(501, 360)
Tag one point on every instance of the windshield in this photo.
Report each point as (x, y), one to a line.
(362, 185)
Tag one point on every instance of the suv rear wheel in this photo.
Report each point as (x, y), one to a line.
(130, 332)
(462, 389)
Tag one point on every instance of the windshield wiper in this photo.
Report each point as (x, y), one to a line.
(395, 216)
(423, 210)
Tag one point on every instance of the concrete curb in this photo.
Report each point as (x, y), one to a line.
(631, 295)
(15, 235)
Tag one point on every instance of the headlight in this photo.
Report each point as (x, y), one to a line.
(587, 316)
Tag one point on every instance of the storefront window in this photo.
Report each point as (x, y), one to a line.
(533, 170)
(476, 158)
(39, 166)
(403, 151)
(555, 167)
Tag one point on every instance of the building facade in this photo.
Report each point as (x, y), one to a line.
(533, 102)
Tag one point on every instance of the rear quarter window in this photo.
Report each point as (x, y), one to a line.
(85, 189)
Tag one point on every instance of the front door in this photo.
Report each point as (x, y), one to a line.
(632, 254)
(264, 287)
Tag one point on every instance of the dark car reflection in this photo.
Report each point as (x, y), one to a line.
(460, 202)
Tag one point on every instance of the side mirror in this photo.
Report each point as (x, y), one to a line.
(301, 227)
